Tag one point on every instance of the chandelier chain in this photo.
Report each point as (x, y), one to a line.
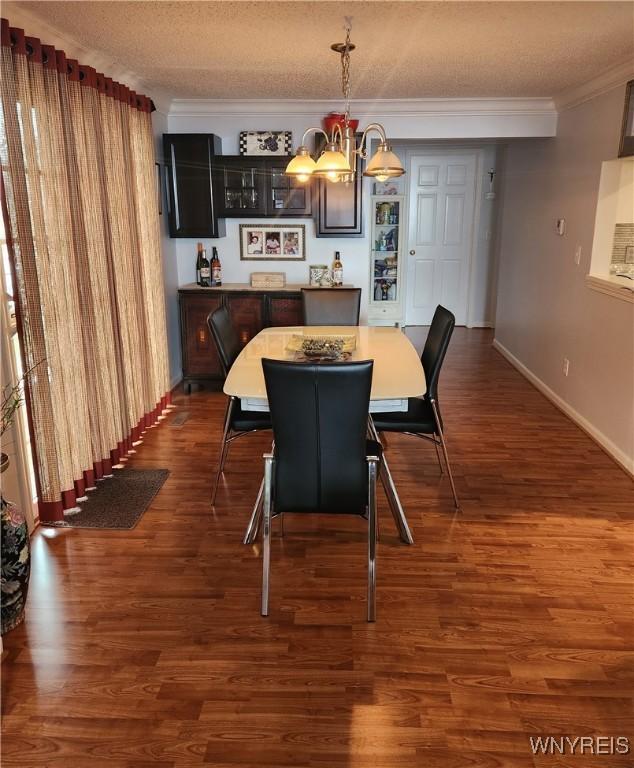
(345, 71)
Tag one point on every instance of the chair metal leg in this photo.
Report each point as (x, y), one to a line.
(444, 450)
(266, 533)
(442, 470)
(224, 448)
(256, 517)
(372, 526)
(390, 491)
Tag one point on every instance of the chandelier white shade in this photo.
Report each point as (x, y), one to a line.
(384, 164)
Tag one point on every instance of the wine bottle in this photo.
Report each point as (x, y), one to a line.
(216, 269)
(205, 270)
(199, 254)
(337, 271)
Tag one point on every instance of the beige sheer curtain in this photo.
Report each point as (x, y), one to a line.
(81, 209)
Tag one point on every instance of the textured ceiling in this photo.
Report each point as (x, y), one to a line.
(269, 50)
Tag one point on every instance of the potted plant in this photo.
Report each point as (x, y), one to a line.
(16, 555)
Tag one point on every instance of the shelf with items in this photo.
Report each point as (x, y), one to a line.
(386, 281)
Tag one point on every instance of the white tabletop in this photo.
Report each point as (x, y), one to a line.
(398, 373)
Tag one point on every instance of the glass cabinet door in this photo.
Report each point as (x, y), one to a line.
(242, 191)
(288, 197)
(385, 249)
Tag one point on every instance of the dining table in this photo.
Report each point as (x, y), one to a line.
(397, 375)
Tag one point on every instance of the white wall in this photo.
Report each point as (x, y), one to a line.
(170, 264)
(545, 312)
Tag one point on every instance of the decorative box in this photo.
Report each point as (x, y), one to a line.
(268, 279)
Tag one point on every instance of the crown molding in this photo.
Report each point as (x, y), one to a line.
(606, 81)
(34, 26)
(363, 108)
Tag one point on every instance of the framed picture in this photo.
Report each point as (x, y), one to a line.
(626, 148)
(159, 188)
(272, 242)
(266, 143)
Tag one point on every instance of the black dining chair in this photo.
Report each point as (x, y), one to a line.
(331, 306)
(322, 461)
(237, 422)
(423, 418)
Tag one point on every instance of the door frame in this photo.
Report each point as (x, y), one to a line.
(454, 149)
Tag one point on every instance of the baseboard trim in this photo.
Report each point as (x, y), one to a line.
(481, 324)
(176, 380)
(615, 453)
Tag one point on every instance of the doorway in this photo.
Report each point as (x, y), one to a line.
(442, 198)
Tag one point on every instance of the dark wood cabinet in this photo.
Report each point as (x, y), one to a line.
(339, 207)
(285, 310)
(247, 314)
(189, 168)
(199, 353)
(257, 187)
(250, 311)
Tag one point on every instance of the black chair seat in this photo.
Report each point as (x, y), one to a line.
(244, 421)
(419, 417)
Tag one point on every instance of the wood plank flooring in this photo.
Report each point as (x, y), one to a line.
(510, 619)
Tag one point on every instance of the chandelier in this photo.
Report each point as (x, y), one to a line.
(336, 162)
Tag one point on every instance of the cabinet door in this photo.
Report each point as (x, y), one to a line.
(286, 196)
(200, 356)
(340, 206)
(247, 315)
(285, 310)
(192, 210)
(241, 185)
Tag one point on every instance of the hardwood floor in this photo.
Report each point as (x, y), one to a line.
(510, 619)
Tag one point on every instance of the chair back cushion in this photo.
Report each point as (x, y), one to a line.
(435, 349)
(331, 306)
(225, 336)
(320, 415)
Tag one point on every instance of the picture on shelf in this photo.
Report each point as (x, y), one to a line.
(263, 242)
(259, 143)
(626, 147)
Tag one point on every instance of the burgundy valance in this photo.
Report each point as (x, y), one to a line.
(50, 58)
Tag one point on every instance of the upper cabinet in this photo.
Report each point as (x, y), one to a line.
(339, 207)
(190, 167)
(258, 187)
(205, 187)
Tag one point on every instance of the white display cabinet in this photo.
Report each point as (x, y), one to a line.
(387, 267)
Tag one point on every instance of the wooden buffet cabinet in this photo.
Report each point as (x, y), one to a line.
(250, 309)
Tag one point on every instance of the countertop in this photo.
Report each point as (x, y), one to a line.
(289, 287)
(620, 287)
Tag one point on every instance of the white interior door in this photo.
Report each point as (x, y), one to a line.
(441, 205)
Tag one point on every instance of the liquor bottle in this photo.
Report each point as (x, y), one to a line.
(205, 270)
(199, 254)
(216, 268)
(337, 271)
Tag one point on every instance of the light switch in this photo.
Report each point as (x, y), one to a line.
(561, 226)
(578, 255)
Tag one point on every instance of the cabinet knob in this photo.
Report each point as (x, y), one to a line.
(412, 252)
